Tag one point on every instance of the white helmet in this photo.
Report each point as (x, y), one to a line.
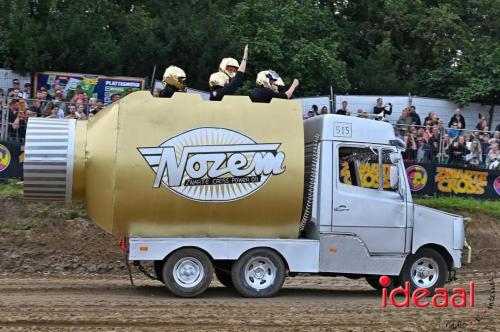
(218, 79)
(228, 62)
(269, 79)
(175, 76)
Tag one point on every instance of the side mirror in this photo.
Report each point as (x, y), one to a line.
(394, 176)
(395, 158)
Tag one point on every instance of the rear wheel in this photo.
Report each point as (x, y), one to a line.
(425, 269)
(258, 273)
(188, 272)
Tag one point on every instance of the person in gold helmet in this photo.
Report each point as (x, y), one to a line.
(268, 83)
(174, 80)
(229, 77)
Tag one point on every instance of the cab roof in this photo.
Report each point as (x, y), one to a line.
(332, 127)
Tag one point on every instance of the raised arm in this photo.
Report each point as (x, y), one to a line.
(292, 88)
(243, 64)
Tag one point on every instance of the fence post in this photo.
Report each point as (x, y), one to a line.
(4, 123)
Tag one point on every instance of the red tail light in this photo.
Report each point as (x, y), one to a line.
(124, 244)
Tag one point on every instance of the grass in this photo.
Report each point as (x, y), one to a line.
(22, 225)
(455, 204)
(10, 189)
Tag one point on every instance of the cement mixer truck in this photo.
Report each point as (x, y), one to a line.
(248, 192)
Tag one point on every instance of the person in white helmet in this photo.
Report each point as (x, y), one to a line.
(229, 77)
(268, 83)
(174, 80)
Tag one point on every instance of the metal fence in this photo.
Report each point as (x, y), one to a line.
(16, 111)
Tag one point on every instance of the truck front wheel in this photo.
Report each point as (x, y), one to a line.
(425, 269)
(188, 272)
(258, 273)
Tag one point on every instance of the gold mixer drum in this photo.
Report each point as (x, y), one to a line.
(178, 167)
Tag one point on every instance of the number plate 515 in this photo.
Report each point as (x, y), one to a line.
(341, 129)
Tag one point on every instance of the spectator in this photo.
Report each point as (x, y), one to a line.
(482, 124)
(443, 156)
(311, 113)
(343, 110)
(19, 126)
(324, 110)
(493, 158)
(98, 106)
(454, 132)
(36, 107)
(80, 112)
(381, 109)
(414, 116)
(411, 147)
(434, 141)
(404, 120)
(117, 96)
(58, 110)
(475, 157)
(47, 113)
(15, 86)
(14, 94)
(423, 152)
(314, 108)
(361, 113)
(457, 151)
(457, 118)
(427, 133)
(2, 96)
(26, 91)
(72, 112)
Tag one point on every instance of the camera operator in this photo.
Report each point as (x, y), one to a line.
(381, 109)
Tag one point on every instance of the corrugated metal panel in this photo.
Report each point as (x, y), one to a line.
(49, 159)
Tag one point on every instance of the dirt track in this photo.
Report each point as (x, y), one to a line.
(306, 303)
(64, 273)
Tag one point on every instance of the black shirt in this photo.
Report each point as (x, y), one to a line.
(460, 119)
(264, 95)
(415, 118)
(383, 110)
(168, 91)
(341, 112)
(219, 92)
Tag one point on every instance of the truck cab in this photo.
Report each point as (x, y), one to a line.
(363, 213)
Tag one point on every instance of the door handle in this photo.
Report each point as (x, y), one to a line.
(341, 208)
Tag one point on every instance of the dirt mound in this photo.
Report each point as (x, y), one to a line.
(53, 238)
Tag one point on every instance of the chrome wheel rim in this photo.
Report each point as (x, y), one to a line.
(188, 272)
(260, 273)
(424, 272)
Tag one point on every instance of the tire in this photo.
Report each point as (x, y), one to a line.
(188, 272)
(258, 273)
(373, 280)
(425, 269)
(158, 267)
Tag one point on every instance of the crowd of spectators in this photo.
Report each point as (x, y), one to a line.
(451, 145)
(431, 141)
(53, 103)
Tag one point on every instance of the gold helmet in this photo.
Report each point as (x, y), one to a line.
(269, 79)
(228, 62)
(218, 79)
(176, 77)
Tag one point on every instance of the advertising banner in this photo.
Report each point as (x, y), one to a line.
(97, 86)
(430, 179)
(10, 167)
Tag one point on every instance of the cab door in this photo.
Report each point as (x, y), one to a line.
(363, 202)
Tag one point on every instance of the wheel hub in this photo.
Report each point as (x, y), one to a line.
(260, 273)
(424, 272)
(188, 272)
